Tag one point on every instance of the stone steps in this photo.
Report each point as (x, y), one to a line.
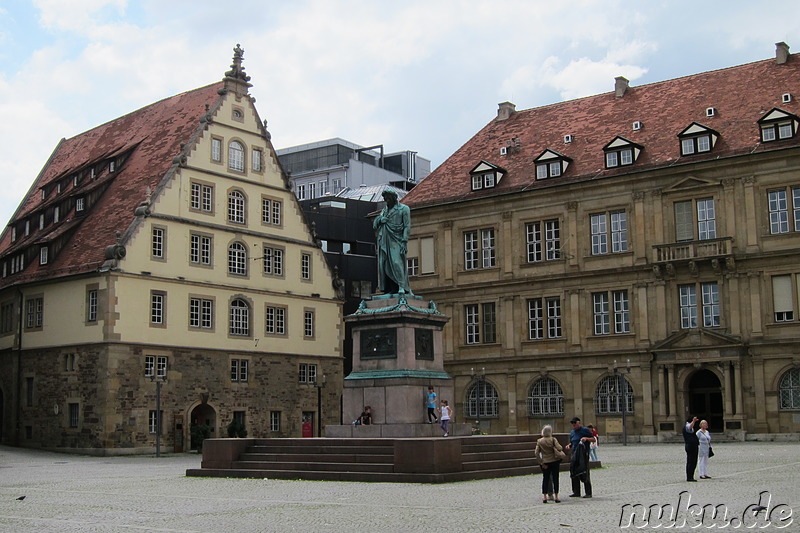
(408, 460)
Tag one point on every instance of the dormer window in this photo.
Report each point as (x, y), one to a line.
(79, 204)
(485, 176)
(696, 139)
(778, 125)
(112, 166)
(621, 152)
(58, 188)
(43, 255)
(551, 164)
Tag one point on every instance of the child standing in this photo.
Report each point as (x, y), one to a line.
(444, 412)
(431, 406)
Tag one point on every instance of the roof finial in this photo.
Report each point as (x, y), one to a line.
(237, 70)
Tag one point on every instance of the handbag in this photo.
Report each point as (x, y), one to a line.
(560, 454)
(710, 451)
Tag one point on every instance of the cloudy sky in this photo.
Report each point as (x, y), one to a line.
(421, 75)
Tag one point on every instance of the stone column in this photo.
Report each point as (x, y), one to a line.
(647, 400)
(760, 395)
(639, 221)
(754, 279)
(726, 375)
(662, 396)
(449, 250)
(737, 380)
(751, 213)
(512, 404)
(577, 391)
(673, 409)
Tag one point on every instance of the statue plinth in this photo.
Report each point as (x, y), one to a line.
(397, 353)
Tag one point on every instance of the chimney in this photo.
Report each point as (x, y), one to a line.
(620, 86)
(505, 110)
(781, 52)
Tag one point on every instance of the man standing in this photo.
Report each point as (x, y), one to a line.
(392, 227)
(579, 439)
(692, 445)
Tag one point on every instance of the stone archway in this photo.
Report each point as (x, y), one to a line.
(705, 399)
(203, 425)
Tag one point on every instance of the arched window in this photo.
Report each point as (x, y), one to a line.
(236, 156)
(790, 389)
(237, 259)
(482, 397)
(236, 207)
(240, 318)
(545, 398)
(608, 399)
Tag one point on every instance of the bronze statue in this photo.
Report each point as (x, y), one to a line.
(392, 227)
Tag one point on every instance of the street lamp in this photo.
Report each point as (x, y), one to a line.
(159, 380)
(623, 392)
(479, 378)
(320, 384)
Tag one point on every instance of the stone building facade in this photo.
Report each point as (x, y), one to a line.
(161, 260)
(626, 257)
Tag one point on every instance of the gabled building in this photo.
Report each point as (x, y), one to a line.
(629, 258)
(327, 167)
(164, 252)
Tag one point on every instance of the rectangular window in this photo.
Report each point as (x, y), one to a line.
(74, 415)
(626, 156)
(617, 231)
(687, 146)
(605, 308)
(543, 311)
(155, 422)
(305, 266)
(7, 317)
(271, 211)
(612, 159)
(201, 197)
(782, 301)
(706, 219)
(200, 249)
(157, 308)
(307, 373)
(779, 210)
(239, 370)
(543, 246)
(308, 324)
(79, 204)
(161, 366)
(480, 323)
(323, 188)
(273, 261)
(486, 246)
(34, 313)
(216, 149)
(43, 255)
(275, 321)
(91, 305)
(412, 264)
(684, 222)
(710, 304)
(688, 303)
(312, 190)
(157, 249)
(420, 256)
(274, 420)
(257, 160)
(149, 366)
(301, 192)
(201, 313)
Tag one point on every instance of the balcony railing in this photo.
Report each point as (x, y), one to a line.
(685, 251)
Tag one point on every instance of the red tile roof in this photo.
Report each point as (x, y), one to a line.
(151, 136)
(740, 95)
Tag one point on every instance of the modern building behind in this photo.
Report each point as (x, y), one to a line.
(327, 167)
(630, 256)
(164, 251)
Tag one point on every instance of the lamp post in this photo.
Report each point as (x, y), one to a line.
(319, 403)
(623, 393)
(159, 380)
(478, 377)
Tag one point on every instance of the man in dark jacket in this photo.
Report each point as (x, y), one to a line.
(579, 439)
(691, 445)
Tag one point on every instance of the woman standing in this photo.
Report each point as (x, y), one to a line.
(704, 436)
(546, 448)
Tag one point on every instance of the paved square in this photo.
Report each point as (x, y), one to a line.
(68, 493)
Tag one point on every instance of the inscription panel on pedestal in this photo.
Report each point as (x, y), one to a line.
(379, 344)
(423, 344)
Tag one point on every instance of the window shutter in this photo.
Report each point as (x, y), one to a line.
(684, 221)
(426, 260)
(782, 293)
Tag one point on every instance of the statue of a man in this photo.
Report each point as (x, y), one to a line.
(392, 228)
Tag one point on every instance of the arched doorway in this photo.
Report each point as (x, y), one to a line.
(204, 422)
(705, 399)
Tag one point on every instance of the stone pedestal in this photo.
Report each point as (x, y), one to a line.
(397, 354)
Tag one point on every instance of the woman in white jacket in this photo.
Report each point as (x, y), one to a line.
(704, 436)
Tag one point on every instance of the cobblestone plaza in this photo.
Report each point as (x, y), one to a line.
(69, 493)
